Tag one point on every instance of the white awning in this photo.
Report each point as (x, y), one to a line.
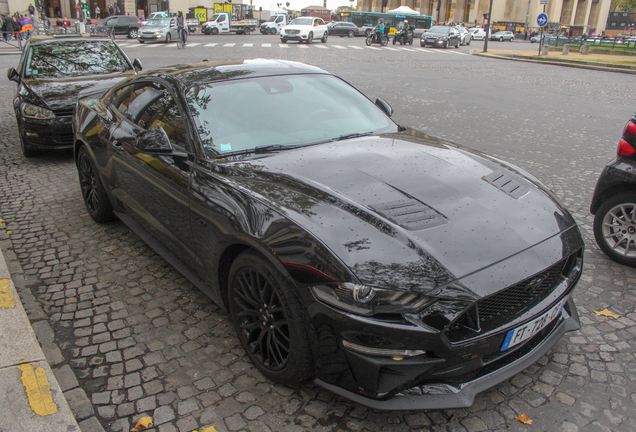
(404, 10)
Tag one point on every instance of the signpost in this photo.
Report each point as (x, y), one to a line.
(542, 20)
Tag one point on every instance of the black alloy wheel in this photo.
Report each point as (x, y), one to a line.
(168, 38)
(95, 197)
(350, 34)
(324, 38)
(269, 320)
(615, 228)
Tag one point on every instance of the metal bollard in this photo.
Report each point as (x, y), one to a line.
(544, 50)
(585, 49)
(566, 49)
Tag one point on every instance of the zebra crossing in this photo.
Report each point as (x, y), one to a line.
(159, 46)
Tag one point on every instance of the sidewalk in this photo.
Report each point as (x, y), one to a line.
(601, 62)
(31, 399)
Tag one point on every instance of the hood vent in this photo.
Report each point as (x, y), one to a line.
(505, 183)
(410, 214)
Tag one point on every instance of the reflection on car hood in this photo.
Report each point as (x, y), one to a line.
(402, 202)
(62, 93)
(154, 28)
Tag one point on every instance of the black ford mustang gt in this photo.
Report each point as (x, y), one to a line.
(393, 268)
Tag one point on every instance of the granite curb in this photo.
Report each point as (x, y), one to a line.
(31, 398)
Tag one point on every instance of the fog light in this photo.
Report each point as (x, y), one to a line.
(396, 354)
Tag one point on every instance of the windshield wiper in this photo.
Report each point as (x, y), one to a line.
(272, 148)
(352, 135)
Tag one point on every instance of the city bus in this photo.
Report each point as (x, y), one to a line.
(367, 20)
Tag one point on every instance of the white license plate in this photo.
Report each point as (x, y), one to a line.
(526, 331)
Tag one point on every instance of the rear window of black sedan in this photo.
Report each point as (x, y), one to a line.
(287, 111)
(74, 58)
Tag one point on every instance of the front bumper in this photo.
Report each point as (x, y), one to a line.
(53, 134)
(436, 42)
(619, 175)
(295, 37)
(151, 37)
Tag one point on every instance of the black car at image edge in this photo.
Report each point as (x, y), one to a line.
(614, 201)
(391, 267)
(51, 73)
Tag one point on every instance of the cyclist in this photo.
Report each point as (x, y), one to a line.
(181, 26)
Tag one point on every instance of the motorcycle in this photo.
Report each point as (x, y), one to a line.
(376, 37)
(404, 37)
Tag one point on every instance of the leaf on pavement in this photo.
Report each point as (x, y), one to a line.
(142, 423)
(209, 429)
(524, 419)
(607, 313)
(2, 222)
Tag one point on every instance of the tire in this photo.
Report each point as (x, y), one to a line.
(369, 40)
(445, 44)
(394, 40)
(274, 335)
(384, 40)
(310, 37)
(272, 31)
(500, 39)
(95, 198)
(206, 32)
(140, 41)
(615, 228)
(422, 44)
(367, 32)
(324, 38)
(457, 45)
(215, 31)
(283, 40)
(132, 33)
(468, 43)
(411, 42)
(246, 31)
(350, 34)
(168, 38)
(27, 151)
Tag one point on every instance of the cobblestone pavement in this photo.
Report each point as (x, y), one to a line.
(128, 336)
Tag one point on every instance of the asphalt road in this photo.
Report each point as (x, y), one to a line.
(141, 340)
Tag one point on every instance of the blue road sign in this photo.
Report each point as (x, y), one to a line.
(542, 20)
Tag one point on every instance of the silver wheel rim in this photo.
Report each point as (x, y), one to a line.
(619, 229)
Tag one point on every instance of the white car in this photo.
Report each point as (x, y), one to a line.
(464, 35)
(477, 33)
(305, 29)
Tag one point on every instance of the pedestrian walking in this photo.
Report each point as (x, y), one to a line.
(117, 11)
(97, 11)
(111, 10)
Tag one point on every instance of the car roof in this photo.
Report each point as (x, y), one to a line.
(208, 71)
(66, 37)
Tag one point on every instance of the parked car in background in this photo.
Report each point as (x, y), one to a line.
(52, 71)
(305, 29)
(614, 201)
(464, 35)
(412, 288)
(123, 25)
(158, 30)
(274, 24)
(477, 33)
(502, 36)
(343, 28)
(440, 36)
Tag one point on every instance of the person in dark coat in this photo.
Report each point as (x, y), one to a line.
(7, 27)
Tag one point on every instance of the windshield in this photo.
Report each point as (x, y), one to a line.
(158, 23)
(74, 59)
(439, 29)
(286, 111)
(270, 19)
(303, 21)
(215, 17)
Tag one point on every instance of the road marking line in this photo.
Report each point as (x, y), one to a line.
(456, 52)
(322, 47)
(354, 47)
(229, 45)
(283, 45)
(191, 45)
(6, 295)
(374, 48)
(266, 45)
(155, 45)
(248, 44)
(303, 46)
(407, 49)
(391, 49)
(338, 47)
(211, 44)
(424, 50)
(123, 45)
(38, 389)
(444, 51)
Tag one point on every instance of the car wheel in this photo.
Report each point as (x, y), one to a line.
(269, 320)
(324, 38)
(500, 39)
(445, 44)
(457, 44)
(215, 31)
(283, 40)
(140, 41)
(310, 37)
(168, 38)
(272, 31)
(26, 150)
(350, 34)
(422, 44)
(468, 43)
(93, 192)
(246, 31)
(615, 228)
(394, 40)
(132, 33)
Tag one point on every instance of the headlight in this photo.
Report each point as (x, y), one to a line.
(33, 111)
(365, 300)
(304, 31)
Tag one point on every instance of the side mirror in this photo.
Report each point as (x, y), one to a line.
(13, 75)
(154, 140)
(137, 65)
(384, 106)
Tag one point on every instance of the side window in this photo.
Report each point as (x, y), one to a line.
(121, 99)
(152, 105)
(279, 19)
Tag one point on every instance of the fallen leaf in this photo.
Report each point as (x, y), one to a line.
(142, 423)
(607, 313)
(2, 222)
(452, 419)
(524, 419)
(209, 429)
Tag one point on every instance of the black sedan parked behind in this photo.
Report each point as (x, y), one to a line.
(441, 36)
(614, 201)
(391, 267)
(343, 28)
(51, 73)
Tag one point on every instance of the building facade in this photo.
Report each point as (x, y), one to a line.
(575, 16)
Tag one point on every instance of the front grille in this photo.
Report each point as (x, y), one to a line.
(293, 32)
(64, 112)
(506, 305)
(63, 139)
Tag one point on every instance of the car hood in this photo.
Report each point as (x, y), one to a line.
(62, 93)
(301, 27)
(154, 28)
(410, 211)
(431, 34)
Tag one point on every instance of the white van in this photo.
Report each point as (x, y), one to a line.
(477, 34)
